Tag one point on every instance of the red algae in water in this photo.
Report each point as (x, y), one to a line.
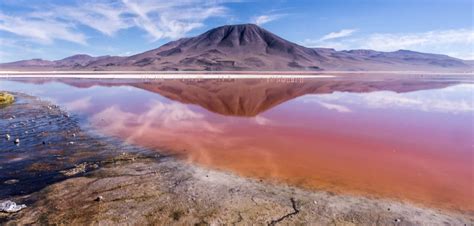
(408, 144)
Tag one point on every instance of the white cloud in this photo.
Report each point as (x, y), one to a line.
(106, 18)
(263, 19)
(160, 122)
(81, 104)
(261, 120)
(335, 107)
(339, 34)
(455, 42)
(159, 19)
(390, 42)
(41, 30)
(454, 99)
(330, 106)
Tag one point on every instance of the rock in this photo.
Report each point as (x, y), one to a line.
(17, 141)
(81, 168)
(7, 136)
(94, 166)
(44, 143)
(6, 98)
(398, 220)
(10, 207)
(11, 181)
(99, 198)
(71, 142)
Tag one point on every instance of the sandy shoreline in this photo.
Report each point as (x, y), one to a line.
(138, 189)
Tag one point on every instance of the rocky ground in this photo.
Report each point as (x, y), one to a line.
(135, 188)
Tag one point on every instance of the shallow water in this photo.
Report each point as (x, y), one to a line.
(402, 138)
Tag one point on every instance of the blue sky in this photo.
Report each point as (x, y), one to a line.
(56, 29)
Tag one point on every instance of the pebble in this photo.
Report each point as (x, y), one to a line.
(17, 141)
(94, 166)
(398, 220)
(7, 136)
(71, 142)
(99, 198)
(11, 181)
(10, 207)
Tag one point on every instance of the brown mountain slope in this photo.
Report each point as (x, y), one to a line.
(247, 47)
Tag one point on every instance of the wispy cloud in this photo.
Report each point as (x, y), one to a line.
(263, 19)
(261, 120)
(335, 107)
(159, 19)
(339, 34)
(160, 121)
(454, 100)
(330, 106)
(41, 30)
(105, 18)
(81, 104)
(334, 40)
(391, 42)
(453, 42)
(171, 19)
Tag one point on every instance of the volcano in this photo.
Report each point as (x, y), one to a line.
(248, 47)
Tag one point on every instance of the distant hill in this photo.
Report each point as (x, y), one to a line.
(248, 47)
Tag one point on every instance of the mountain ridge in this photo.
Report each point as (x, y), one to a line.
(248, 47)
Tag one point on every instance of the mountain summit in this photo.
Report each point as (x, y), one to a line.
(248, 47)
(231, 47)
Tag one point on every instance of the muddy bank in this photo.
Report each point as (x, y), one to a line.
(39, 142)
(109, 187)
(134, 190)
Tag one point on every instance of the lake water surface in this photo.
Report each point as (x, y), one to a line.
(408, 139)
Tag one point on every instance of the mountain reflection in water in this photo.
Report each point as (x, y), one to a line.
(400, 138)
